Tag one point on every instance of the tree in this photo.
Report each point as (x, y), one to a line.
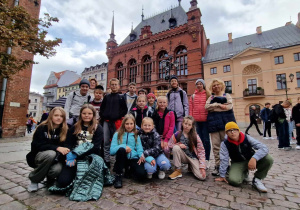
(20, 31)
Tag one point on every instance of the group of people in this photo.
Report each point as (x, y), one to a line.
(143, 133)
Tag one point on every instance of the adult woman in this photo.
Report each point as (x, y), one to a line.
(93, 84)
(198, 111)
(219, 107)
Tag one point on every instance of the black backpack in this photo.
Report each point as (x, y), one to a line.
(273, 117)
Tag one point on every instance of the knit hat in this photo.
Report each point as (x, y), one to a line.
(84, 82)
(151, 95)
(202, 81)
(173, 77)
(231, 125)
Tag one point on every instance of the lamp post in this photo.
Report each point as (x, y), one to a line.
(168, 65)
(284, 81)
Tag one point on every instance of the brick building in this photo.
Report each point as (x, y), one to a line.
(16, 95)
(172, 34)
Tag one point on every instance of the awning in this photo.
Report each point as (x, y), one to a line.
(60, 103)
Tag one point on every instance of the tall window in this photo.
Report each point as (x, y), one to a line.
(35, 100)
(298, 78)
(228, 86)
(183, 86)
(252, 85)
(281, 81)
(132, 70)
(102, 76)
(162, 71)
(297, 56)
(278, 59)
(147, 69)
(95, 76)
(213, 70)
(181, 58)
(120, 73)
(226, 68)
(34, 107)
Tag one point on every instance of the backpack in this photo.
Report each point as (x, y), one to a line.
(273, 117)
(181, 97)
(29, 122)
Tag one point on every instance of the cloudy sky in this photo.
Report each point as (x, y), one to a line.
(85, 26)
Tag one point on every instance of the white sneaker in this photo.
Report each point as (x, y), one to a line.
(292, 142)
(271, 138)
(161, 174)
(266, 138)
(207, 164)
(33, 187)
(256, 183)
(298, 147)
(149, 176)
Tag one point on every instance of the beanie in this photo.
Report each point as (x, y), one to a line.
(84, 82)
(151, 95)
(173, 77)
(231, 125)
(202, 81)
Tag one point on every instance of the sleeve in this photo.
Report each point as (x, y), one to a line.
(97, 141)
(123, 107)
(185, 104)
(210, 107)
(229, 101)
(149, 159)
(115, 146)
(224, 160)
(172, 141)
(262, 115)
(200, 153)
(68, 104)
(262, 149)
(171, 126)
(40, 142)
(102, 107)
(156, 149)
(71, 139)
(191, 106)
(295, 115)
(139, 147)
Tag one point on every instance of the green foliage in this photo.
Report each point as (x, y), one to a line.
(20, 31)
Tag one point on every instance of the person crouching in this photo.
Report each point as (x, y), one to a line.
(240, 149)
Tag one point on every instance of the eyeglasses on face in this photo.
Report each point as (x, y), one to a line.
(233, 130)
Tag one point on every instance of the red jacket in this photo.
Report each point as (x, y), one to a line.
(197, 106)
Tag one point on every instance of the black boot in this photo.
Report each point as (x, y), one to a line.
(118, 181)
(216, 171)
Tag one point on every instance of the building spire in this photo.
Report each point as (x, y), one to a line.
(179, 2)
(142, 12)
(193, 5)
(112, 33)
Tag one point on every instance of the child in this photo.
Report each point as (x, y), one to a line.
(127, 146)
(153, 152)
(46, 146)
(187, 148)
(98, 94)
(112, 109)
(151, 101)
(141, 110)
(142, 92)
(164, 121)
(130, 96)
(239, 148)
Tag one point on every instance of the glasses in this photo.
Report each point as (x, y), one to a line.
(233, 130)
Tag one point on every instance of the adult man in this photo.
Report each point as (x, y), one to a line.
(296, 118)
(75, 100)
(130, 96)
(253, 119)
(264, 115)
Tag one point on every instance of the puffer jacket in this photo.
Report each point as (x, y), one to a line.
(127, 140)
(151, 144)
(197, 106)
(175, 103)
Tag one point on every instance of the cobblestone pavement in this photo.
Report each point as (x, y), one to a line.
(283, 183)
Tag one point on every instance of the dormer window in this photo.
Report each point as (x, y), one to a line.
(132, 37)
(172, 22)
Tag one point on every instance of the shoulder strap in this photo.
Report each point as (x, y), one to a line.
(74, 94)
(181, 97)
(89, 98)
(168, 96)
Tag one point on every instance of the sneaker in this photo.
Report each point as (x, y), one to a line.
(257, 184)
(33, 187)
(280, 148)
(149, 176)
(271, 138)
(287, 148)
(298, 147)
(176, 174)
(266, 138)
(207, 164)
(118, 181)
(216, 171)
(292, 142)
(161, 174)
(247, 178)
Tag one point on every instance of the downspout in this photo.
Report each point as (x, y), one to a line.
(4, 86)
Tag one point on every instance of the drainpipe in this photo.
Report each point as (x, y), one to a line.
(4, 85)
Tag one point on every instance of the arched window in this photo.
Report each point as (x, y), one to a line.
(120, 72)
(132, 70)
(162, 71)
(147, 68)
(181, 58)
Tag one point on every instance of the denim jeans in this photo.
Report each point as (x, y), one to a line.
(291, 128)
(283, 132)
(202, 131)
(161, 161)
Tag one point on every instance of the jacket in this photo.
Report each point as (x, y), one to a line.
(151, 144)
(199, 150)
(130, 105)
(264, 114)
(127, 140)
(139, 115)
(168, 121)
(175, 103)
(197, 106)
(253, 116)
(74, 103)
(113, 107)
(296, 113)
(279, 113)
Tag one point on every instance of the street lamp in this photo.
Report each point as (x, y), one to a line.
(168, 65)
(283, 80)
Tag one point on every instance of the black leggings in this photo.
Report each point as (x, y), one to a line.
(137, 171)
(67, 175)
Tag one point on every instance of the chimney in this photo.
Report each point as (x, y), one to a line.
(258, 30)
(298, 22)
(288, 23)
(230, 37)
(208, 41)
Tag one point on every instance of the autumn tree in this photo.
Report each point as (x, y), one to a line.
(18, 30)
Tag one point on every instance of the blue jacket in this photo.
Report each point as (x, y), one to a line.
(127, 140)
(264, 114)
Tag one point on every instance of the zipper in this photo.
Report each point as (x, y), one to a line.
(241, 153)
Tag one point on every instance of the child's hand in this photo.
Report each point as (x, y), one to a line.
(153, 163)
(298, 125)
(128, 150)
(252, 164)
(182, 146)
(63, 150)
(141, 160)
(203, 172)
(164, 145)
(221, 179)
(222, 106)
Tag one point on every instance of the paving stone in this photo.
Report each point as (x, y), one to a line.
(292, 190)
(105, 204)
(15, 190)
(195, 196)
(3, 181)
(287, 204)
(274, 208)
(15, 205)
(122, 208)
(218, 208)
(8, 186)
(24, 196)
(142, 205)
(198, 204)
(282, 192)
(242, 206)
(249, 202)
(65, 202)
(34, 200)
(177, 206)
(187, 188)
(293, 199)
(217, 202)
(179, 199)
(5, 199)
(126, 200)
(161, 202)
(239, 194)
(226, 197)
(46, 205)
(83, 206)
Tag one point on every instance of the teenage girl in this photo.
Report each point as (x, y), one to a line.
(141, 110)
(86, 129)
(153, 152)
(164, 121)
(127, 146)
(47, 151)
(188, 149)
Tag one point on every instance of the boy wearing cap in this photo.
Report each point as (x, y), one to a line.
(76, 99)
(240, 149)
(177, 101)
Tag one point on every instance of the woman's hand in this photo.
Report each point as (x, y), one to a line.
(182, 146)
(153, 163)
(164, 145)
(128, 150)
(63, 150)
(222, 106)
(221, 179)
(141, 160)
(203, 172)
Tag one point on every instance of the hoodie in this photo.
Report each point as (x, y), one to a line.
(74, 103)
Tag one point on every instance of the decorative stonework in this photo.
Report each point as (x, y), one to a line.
(252, 69)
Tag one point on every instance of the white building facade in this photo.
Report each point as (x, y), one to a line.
(35, 107)
(98, 72)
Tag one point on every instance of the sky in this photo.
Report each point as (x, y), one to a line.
(84, 26)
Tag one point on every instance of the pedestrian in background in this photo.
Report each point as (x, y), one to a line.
(264, 115)
(253, 120)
